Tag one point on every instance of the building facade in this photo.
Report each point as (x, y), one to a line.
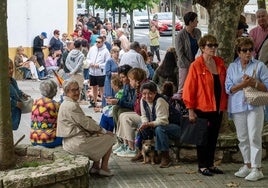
(28, 18)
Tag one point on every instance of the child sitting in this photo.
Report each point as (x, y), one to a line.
(107, 121)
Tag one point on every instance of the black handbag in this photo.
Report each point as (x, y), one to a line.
(194, 133)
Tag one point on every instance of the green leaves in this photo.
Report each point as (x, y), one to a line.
(127, 5)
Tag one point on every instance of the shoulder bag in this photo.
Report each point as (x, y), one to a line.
(253, 96)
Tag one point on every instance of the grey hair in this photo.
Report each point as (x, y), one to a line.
(67, 83)
(48, 88)
(135, 45)
(261, 10)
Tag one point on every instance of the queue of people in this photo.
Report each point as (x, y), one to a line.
(136, 110)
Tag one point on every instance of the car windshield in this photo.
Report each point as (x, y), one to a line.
(138, 13)
(165, 16)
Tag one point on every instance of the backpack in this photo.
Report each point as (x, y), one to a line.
(174, 114)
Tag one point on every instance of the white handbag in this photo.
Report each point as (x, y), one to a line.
(254, 96)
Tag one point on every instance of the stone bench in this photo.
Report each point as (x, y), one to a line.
(65, 170)
(227, 144)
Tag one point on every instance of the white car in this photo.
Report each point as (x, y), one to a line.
(140, 18)
(81, 10)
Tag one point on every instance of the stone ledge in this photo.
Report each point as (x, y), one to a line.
(65, 169)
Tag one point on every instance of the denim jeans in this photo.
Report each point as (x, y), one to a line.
(266, 113)
(55, 143)
(145, 134)
(107, 123)
(164, 133)
(41, 74)
(16, 116)
(155, 49)
(26, 72)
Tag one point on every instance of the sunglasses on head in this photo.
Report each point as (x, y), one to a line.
(245, 50)
(210, 45)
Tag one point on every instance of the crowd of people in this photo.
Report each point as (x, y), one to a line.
(133, 92)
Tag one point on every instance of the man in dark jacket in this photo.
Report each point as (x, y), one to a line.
(38, 46)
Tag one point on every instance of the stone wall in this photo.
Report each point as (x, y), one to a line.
(66, 170)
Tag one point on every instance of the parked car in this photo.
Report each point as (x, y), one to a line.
(163, 22)
(81, 10)
(140, 18)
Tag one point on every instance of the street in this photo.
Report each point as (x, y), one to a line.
(141, 35)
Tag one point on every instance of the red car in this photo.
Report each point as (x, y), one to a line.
(163, 22)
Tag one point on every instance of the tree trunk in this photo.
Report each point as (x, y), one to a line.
(7, 157)
(131, 27)
(261, 4)
(223, 20)
(119, 16)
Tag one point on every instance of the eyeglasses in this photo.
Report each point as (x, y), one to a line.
(245, 50)
(210, 45)
(98, 41)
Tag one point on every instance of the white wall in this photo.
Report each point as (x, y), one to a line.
(251, 7)
(28, 18)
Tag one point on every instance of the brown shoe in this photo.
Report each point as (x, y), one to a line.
(165, 160)
(138, 157)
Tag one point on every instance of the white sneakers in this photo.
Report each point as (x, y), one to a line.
(121, 148)
(253, 174)
(127, 153)
(242, 172)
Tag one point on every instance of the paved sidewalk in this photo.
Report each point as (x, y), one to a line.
(132, 175)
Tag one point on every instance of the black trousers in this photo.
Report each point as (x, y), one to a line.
(155, 49)
(40, 59)
(206, 153)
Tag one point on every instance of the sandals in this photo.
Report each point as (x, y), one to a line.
(210, 171)
(205, 172)
(215, 170)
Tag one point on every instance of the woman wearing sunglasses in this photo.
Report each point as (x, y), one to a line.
(205, 97)
(248, 119)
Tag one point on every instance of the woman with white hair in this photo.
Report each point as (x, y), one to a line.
(81, 134)
(44, 117)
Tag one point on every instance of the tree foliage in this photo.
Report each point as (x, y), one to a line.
(224, 16)
(127, 5)
(7, 157)
(261, 4)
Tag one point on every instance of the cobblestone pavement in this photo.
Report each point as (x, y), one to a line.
(132, 175)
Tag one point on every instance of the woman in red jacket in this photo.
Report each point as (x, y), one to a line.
(204, 96)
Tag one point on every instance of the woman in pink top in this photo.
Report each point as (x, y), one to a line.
(51, 61)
